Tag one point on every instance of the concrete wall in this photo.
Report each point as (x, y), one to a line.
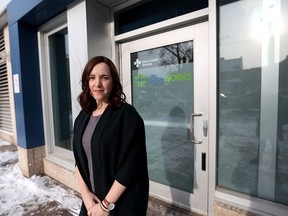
(61, 174)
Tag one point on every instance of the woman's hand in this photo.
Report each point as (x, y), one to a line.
(88, 197)
(90, 200)
(97, 210)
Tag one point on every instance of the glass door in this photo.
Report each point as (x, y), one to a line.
(165, 77)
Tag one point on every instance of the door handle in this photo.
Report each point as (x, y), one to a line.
(192, 137)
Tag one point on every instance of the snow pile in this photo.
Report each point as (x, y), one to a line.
(37, 195)
(4, 143)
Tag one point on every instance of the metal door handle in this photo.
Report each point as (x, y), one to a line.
(192, 137)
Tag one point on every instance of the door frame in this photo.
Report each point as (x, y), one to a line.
(199, 34)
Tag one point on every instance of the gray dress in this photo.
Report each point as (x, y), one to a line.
(86, 142)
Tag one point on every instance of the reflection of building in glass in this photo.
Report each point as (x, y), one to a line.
(241, 92)
(165, 82)
(242, 87)
(230, 76)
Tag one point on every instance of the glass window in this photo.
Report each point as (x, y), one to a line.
(154, 11)
(162, 92)
(60, 88)
(253, 98)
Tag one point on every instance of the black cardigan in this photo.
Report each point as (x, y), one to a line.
(118, 152)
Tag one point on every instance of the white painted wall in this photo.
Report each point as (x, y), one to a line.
(89, 35)
(78, 50)
(99, 31)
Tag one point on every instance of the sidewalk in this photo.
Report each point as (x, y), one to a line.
(43, 196)
(38, 195)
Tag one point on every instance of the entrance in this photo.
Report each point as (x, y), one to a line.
(165, 77)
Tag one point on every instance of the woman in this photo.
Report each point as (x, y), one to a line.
(109, 146)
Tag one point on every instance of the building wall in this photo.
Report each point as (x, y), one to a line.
(90, 33)
(8, 135)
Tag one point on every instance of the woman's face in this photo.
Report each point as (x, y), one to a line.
(100, 83)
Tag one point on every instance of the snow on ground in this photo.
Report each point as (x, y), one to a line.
(4, 143)
(38, 195)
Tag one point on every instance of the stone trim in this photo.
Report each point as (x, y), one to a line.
(223, 209)
(61, 174)
(31, 160)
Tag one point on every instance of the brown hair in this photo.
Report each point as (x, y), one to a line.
(117, 96)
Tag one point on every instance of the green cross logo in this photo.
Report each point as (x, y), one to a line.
(140, 80)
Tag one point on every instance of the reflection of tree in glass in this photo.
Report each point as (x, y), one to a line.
(176, 54)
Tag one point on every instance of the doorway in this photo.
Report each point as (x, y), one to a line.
(165, 77)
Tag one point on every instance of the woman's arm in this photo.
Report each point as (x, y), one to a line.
(89, 198)
(113, 195)
(115, 192)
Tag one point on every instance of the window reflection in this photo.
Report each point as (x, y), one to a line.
(60, 88)
(253, 99)
(162, 91)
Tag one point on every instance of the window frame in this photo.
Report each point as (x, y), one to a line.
(224, 195)
(57, 154)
